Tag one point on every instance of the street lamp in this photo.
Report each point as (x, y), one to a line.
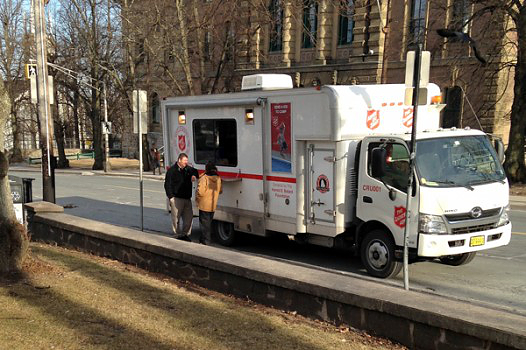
(464, 38)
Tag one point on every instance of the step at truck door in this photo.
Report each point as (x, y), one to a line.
(321, 189)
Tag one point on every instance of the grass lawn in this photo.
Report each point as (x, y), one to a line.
(71, 300)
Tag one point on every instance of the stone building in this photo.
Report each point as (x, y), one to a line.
(363, 42)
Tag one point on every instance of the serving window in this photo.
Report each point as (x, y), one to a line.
(215, 140)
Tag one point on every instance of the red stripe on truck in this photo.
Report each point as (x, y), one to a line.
(232, 175)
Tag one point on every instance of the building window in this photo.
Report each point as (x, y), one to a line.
(310, 23)
(215, 140)
(417, 25)
(276, 29)
(452, 113)
(460, 16)
(156, 110)
(345, 34)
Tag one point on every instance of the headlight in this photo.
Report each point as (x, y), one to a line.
(504, 217)
(431, 224)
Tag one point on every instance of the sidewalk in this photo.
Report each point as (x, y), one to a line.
(127, 172)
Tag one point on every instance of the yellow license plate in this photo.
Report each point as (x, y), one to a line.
(476, 241)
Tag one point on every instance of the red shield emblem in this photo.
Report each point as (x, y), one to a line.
(373, 119)
(181, 141)
(407, 119)
(399, 216)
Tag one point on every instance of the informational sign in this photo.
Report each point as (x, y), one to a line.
(281, 124)
(142, 106)
(106, 128)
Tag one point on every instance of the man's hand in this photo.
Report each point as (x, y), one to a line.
(194, 178)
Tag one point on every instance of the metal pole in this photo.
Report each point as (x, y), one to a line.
(412, 149)
(107, 166)
(48, 190)
(139, 128)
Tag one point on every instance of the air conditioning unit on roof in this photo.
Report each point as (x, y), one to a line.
(266, 82)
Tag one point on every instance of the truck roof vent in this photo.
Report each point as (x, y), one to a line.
(266, 82)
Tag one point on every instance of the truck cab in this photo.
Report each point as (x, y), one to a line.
(459, 204)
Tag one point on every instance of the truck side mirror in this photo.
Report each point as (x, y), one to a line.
(379, 156)
(499, 147)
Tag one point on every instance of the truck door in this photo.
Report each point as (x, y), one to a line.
(384, 199)
(321, 194)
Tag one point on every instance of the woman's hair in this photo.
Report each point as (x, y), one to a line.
(210, 168)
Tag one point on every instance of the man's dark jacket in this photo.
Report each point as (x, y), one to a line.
(178, 182)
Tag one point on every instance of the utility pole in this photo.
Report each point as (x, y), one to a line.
(44, 112)
(107, 165)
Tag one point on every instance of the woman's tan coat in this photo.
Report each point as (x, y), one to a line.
(208, 190)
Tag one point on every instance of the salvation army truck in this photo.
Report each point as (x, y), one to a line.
(329, 166)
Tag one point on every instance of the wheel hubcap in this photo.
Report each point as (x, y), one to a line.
(378, 255)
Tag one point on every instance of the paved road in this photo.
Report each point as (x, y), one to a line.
(496, 277)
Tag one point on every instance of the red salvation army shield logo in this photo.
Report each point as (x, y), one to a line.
(182, 138)
(399, 216)
(373, 119)
(181, 142)
(407, 119)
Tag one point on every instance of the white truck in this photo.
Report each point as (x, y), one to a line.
(329, 166)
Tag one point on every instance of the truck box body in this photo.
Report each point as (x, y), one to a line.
(297, 161)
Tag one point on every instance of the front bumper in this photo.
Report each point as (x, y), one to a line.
(430, 245)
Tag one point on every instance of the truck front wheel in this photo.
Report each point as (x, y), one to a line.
(457, 260)
(378, 254)
(225, 232)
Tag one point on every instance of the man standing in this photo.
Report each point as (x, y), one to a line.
(178, 187)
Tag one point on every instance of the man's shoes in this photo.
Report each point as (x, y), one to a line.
(184, 238)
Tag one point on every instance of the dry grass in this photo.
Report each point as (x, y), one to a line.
(71, 300)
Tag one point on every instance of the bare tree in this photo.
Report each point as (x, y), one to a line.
(14, 53)
(87, 28)
(13, 236)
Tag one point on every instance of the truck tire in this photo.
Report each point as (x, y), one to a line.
(457, 260)
(224, 232)
(378, 254)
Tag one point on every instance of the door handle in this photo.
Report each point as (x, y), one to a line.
(367, 199)
(318, 203)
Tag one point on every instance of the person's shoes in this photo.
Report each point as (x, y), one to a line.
(184, 238)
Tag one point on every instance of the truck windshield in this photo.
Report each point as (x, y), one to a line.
(457, 161)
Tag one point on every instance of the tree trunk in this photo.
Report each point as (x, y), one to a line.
(76, 99)
(514, 164)
(63, 162)
(146, 156)
(13, 236)
(16, 152)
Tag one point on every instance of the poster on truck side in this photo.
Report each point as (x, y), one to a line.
(280, 116)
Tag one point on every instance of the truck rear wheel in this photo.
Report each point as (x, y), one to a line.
(378, 254)
(225, 233)
(459, 259)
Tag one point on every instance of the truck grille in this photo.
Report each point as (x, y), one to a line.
(476, 228)
(467, 216)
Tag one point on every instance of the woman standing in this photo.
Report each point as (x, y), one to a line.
(208, 190)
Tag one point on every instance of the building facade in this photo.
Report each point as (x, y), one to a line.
(320, 42)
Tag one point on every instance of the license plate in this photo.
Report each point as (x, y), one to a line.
(476, 241)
